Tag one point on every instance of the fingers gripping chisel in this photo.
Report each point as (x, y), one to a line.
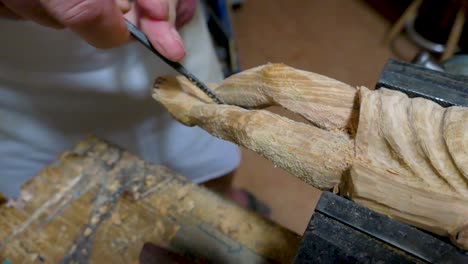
(141, 37)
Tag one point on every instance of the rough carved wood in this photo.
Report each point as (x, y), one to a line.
(406, 158)
(100, 204)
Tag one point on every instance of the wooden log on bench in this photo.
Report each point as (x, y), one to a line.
(100, 204)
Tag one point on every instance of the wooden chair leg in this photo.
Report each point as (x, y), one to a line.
(400, 23)
(455, 34)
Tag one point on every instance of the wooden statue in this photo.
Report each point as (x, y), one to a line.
(405, 158)
(101, 204)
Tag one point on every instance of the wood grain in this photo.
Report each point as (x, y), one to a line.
(100, 204)
(406, 158)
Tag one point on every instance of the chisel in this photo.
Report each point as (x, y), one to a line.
(141, 37)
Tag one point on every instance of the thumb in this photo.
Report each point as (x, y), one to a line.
(99, 22)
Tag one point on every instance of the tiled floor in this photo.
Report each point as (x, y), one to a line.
(338, 38)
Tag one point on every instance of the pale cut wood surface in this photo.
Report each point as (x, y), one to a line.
(100, 204)
(407, 165)
(315, 155)
(355, 136)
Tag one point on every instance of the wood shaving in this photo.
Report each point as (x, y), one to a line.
(87, 232)
(115, 219)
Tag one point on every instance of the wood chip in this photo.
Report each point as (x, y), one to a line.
(182, 192)
(26, 196)
(149, 181)
(115, 219)
(95, 219)
(114, 186)
(103, 209)
(87, 232)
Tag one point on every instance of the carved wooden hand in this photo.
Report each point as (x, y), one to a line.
(406, 158)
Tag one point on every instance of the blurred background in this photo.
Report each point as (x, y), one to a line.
(348, 40)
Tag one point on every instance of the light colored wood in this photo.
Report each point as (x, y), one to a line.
(100, 204)
(315, 155)
(397, 27)
(406, 165)
(455, 34)
(325, 102)
(406, 158)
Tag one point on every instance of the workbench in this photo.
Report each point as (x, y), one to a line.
(100, 204)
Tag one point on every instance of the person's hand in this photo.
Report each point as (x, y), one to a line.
(159, 19)
(101, 24)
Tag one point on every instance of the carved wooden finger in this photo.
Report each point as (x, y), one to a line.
(316, 156)
(326, 102)
(407, 165)
(100, 204)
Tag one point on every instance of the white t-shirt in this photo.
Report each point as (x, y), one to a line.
(55, 89)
